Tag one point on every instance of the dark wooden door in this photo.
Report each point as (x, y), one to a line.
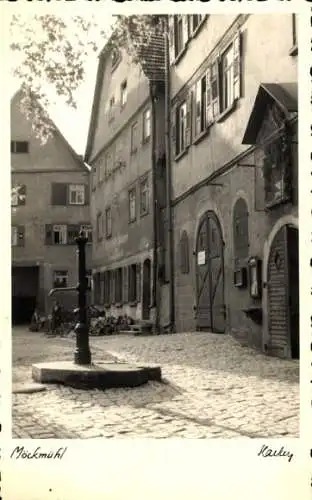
(283, 293)
(146, 294)
(210, 275)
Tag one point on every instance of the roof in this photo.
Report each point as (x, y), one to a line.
(151, 57)
(77, 158)
(285, 95)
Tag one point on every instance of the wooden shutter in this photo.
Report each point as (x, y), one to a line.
(125, 285)
(209, 113)
(237, 66)
(198, 104)
(48, 234)
(86, 194)
(185, 25)
(72, 233)
(215, 92)
(188, 129)
(59, 194)
(174, 130)
(22, 195)
(138, 278)
(171, 39)
(20, 236)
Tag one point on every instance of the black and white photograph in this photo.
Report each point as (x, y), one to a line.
(154, 226)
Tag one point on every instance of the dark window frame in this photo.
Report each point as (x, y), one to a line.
(144, 210)
(19, 147)
(108, 222)
(132, 191)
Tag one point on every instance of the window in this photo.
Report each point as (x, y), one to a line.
(195, 21)
(60, 279)
(200, 114)
(108, 222)
(19, 147)
(184, 253)
(111, 109)
(181, 128)
(123, 93)
(132, 205)
(18, 236)
(240, 230)
(108, 165)
(132, 276)
(99, 226)
(230, 75)
(18, 195)
(69, 194)
(178, 35)
(107, 287)
(59, 234)
(118, 285)
(76, 194)
(294, 49)
(144, 197)
(134, 138)
(146, 125)
(87, 230)
(93, 177)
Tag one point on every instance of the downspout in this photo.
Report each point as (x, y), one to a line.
(169, 181)
(155, 300)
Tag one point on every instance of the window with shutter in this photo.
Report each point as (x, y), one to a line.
(209, 111)
(77, 193)
(240, 230)
(87, 230)
(214, 84)
(18, 195)
(132, 205)
(171, 39)
(181, 127)
(59, 234)
(48, 234)
(230, 69)
(59, 194)
(174, 130)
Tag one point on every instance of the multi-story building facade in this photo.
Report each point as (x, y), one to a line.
(125, 150)
(234, 176)
(50, 205)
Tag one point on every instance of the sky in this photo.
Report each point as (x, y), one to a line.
(73, 123)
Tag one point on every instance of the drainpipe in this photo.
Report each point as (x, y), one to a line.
(155, 300)
(170, 248)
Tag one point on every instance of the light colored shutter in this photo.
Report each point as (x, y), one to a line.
(215, 92)
(185, 25)
(188, 129)
(171, 39)
(198, 105)
(237, 66)
(209, 113)
(174, 131)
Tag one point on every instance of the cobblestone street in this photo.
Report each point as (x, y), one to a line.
(213, 388)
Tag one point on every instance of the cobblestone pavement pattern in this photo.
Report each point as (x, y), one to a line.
(215, 388)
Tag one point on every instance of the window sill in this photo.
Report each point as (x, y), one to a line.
(180, 155)
(226, 112)
(203, 134)
(279, 201)
(180, 55)
(294, 50)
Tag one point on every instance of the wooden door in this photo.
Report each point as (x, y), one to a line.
(283, 293)
(210, 275)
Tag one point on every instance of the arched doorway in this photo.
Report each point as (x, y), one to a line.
(283, 293)
(146, 295)
(210, 311)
